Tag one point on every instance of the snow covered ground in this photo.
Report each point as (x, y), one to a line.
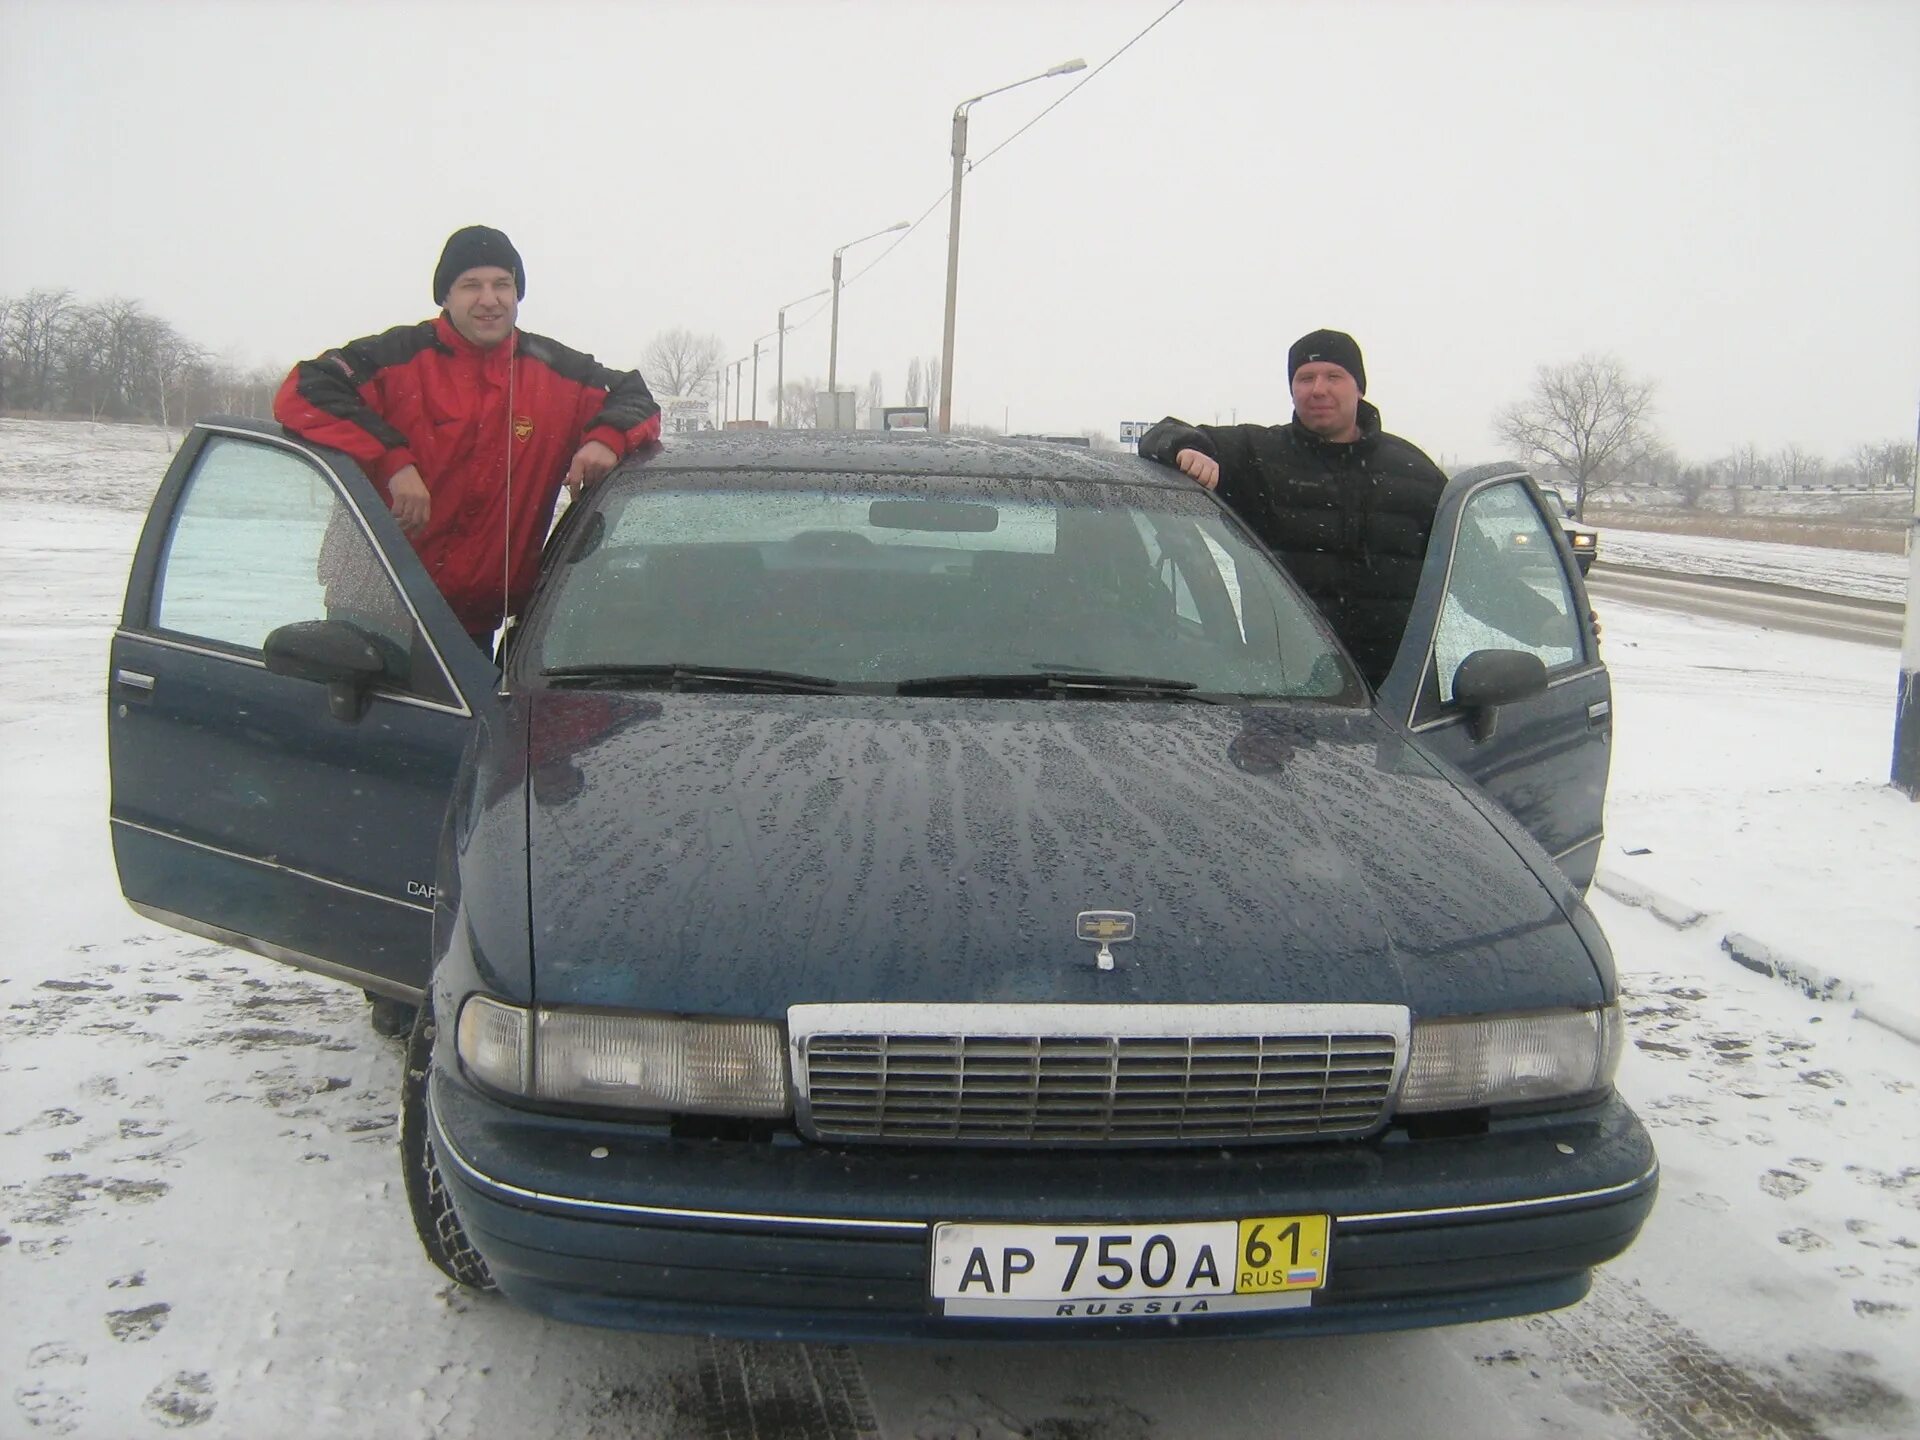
(201, 1221)
(1861, 573)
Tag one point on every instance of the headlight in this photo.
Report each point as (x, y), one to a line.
(700, 1065)
(495, 1043)
(1583, 542)
(1509, 1059)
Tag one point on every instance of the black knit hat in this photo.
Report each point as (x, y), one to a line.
(473, 246)
(1334, 346)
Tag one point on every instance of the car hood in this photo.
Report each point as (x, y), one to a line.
(737, 854)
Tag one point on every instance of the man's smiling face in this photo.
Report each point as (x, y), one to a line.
(1327, 400)
(483, 305)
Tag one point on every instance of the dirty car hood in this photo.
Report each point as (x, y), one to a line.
(737, 854)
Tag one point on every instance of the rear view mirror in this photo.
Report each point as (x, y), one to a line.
(330, 653)
(1488, 679)
(958, 516)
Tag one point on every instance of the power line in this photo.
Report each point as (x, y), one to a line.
(904, 235)
(973, 165)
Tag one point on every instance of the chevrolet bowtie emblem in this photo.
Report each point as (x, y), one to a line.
(1105, 928)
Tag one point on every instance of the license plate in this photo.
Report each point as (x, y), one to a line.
(1074, 1272)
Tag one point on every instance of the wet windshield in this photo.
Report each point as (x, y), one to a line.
(862, 581)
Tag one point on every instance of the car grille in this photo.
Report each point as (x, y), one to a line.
(1099, 1089)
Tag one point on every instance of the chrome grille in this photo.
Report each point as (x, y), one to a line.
(1100, 1075)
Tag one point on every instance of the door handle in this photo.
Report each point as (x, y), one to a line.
(1598, 713)
(133, 680)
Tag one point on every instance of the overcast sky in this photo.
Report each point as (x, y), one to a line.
(1725, 195)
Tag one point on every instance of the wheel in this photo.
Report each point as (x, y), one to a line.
(390, 1017)
(434, 1221)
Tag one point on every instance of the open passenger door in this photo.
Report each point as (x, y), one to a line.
(288, 700)
(1499, 671)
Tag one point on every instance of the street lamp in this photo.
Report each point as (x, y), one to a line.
(754, 408)
(833, 339)
(780, 370)
(735, 365)
(953, 226)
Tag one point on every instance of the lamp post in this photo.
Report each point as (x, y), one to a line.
(1906, 714)
(736, 364)
(833, 338)
(754, 407)
(953, 226)
(780, 368)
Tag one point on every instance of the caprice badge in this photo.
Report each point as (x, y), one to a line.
(1105, 928)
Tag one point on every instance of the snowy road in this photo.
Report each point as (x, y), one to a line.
(1868, 622)
(202, 1226)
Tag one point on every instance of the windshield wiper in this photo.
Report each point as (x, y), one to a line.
(684, 674)
(1064, 683)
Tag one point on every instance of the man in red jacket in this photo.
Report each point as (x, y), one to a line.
(468, 426)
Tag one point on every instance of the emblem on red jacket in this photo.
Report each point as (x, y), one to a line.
(522, 427)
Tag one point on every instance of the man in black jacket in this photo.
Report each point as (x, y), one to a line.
(1346, 507)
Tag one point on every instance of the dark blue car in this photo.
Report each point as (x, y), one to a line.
(914, 887)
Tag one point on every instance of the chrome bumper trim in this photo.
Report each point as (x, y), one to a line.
(449, 1153)
(1502, 1207)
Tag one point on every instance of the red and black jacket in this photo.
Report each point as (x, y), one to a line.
(476, 423)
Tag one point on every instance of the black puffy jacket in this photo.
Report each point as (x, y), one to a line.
(1349, 521)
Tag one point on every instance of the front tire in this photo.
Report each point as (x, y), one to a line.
(434, 1221)
(390, 1017)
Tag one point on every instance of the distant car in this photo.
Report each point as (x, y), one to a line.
(912, 888)
(1583, 540)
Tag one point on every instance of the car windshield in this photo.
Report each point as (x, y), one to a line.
(929, 585)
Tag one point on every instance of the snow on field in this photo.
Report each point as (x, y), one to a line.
(201, 1220)
(77, 462)
(1861, 573)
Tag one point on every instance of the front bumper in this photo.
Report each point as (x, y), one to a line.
(790, 1240)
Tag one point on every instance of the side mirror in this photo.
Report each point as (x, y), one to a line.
(1488, 679)
(331, 653)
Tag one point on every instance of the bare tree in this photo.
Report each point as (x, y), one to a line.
(170, 365)
(679, 362)
(1796, 466)
(37, 326)
(1889, 463)
(875, 399)
(234, 388)
(1660, 466)
(1693, 482)
(124, 323)
(1590, 418)
(7, 302)
(84, 362)
(933, 384)
(913, 382)
(802, 406)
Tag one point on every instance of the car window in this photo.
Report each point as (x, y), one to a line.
(260, 539)
(1506, 589)
(864, 584)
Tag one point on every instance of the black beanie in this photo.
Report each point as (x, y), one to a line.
(1335, 346)
(473, 246)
